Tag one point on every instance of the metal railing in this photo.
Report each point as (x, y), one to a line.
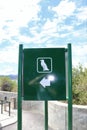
(8, 99)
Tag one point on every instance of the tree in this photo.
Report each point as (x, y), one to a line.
(79, 83)
(6, 84)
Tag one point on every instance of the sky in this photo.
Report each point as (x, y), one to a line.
(41, 24)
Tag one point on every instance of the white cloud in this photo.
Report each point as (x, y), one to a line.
(15, 14)
(50, 24)
(9, 54)
(48, 30)
(64, 9)
(19, 10)
(82, 14)
(24, 39)
(8, 69)
(79, 53)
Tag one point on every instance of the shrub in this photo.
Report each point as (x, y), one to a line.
(6, 84)
(79, 85)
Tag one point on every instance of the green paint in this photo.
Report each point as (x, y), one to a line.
(20, 88)
(46, 115)
(37, 85)
(69, 88)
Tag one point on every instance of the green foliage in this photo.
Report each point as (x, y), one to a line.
(6, 84)
(79, 83)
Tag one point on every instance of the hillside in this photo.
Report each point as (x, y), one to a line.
(11, 76)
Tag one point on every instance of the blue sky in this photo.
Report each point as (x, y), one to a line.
(42, 23)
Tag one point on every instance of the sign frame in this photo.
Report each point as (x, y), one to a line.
(69, 85)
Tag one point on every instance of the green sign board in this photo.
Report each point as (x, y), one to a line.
(44, 76)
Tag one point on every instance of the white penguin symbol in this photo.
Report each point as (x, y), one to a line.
(44, 66)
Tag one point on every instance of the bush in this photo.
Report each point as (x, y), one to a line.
(6, 84)
(79, 85)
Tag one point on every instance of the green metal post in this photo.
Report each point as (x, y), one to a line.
(46, 115)
(20, 88)
(69, 88)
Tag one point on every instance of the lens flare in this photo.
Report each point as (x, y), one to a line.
(51, 77)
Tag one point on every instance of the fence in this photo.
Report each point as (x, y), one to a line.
(9, 96)
(57, 112)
